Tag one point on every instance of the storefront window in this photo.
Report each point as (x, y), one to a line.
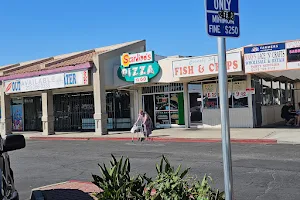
(118, 110)
(168, 103)
(210, 96)
(162, 117)
(289, 93)
(239, 94)
(17, 114)
(283, 93)
(276, 92)
(174, 101)
(166, 109)
(174, 117)
(162, 102)
(267, 92)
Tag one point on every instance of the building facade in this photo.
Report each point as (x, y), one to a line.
(103, 89)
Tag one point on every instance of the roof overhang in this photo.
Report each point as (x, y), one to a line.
(83, 66)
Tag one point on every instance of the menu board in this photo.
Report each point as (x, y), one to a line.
(161, 102)
(210, 90)
(162, 117)
(174, 101)
(174, 117)
(239, 89)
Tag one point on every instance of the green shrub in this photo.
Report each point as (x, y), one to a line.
(203, 191)
(116, 182)
(169, 184)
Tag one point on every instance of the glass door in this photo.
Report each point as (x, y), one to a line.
(148, 106)
(195, 101)
(195, 107)
(162, 111)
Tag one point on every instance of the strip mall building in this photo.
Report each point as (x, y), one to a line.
(103, 89)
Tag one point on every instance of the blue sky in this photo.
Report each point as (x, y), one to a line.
(34, 29)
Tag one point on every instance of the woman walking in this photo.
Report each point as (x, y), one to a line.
(146, 122)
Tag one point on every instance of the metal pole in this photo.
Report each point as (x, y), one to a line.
(224, 107)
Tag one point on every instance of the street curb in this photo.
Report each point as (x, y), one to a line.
(37, 195)
(157, 139)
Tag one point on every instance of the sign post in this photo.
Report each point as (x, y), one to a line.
(222, 20)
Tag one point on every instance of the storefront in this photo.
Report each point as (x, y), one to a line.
(162, 101)
(272, 68)
(165, 104)
(104, 89)
(201, 74)
(70, 92)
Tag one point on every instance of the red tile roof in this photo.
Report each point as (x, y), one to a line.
(58, 61)
(52, 63)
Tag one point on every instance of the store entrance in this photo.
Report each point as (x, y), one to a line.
(195, 98)
(33, 113)
(148, 103)
(195, 108)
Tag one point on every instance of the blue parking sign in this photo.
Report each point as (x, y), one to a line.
(221, 27)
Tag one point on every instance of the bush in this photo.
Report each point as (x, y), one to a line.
(169, 184)
(116, 182)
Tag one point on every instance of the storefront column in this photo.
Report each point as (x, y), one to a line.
(6, 123)
(47, 110)
(135, 104)
(100, 115)
(297, 94)
(139, 100)
(186, 105)
(250, 105)
(286, 92)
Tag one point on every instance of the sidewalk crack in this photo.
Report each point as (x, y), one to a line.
(269, 134)
(270, 186)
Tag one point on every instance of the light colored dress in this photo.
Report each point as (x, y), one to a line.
(146, 122)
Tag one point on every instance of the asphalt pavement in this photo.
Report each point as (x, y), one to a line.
(261, 172)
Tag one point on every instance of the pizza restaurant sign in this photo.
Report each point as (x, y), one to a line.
(53, 81)
(138, 67)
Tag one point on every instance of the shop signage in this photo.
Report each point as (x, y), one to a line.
(210, 90)
(292, 44)
(206, 65)
(239, 89)
(293, 55)
(235, 88)
(265, 58)
(138, 67)
(222, 18)
(53, 81)
(250, 90)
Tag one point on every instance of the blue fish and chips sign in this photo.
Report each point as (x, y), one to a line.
(138, 67)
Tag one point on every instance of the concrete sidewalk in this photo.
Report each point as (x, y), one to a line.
(241, 135)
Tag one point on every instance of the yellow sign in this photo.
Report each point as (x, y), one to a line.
(125, 59)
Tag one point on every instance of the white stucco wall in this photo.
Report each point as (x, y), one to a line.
(239, 118)
(271, 114)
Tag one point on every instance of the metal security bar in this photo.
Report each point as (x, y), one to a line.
(74, 112)
(172, 87)
(118, 110)
(33, 113)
